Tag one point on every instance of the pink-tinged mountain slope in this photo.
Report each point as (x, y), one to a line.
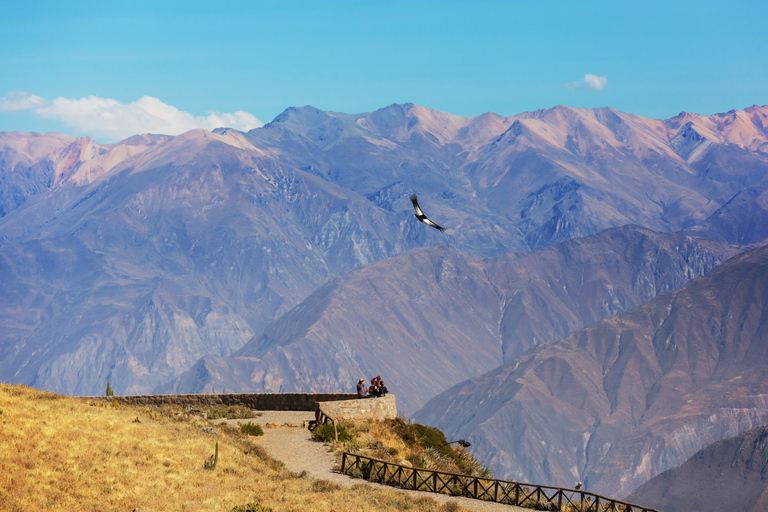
(618, 402)
(32, 163)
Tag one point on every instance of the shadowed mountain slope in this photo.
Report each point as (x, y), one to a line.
(742, 220)
(620, 401)
(731, 474)
(429, 318)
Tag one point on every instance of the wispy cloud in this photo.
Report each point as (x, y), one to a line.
(114, 120)
(588, 83)
(20, 100)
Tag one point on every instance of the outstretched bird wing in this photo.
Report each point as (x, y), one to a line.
(430, 223)
(416, 207)
(421, 216)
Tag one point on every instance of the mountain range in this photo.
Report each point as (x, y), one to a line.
(288, 259)
(187, 248)
(630, 396)
(430, 318)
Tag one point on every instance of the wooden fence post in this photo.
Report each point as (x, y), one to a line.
(496, 491)
(560, 500)
(343, 461)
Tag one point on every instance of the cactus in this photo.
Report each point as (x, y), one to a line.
(210, 464)
(109, 390)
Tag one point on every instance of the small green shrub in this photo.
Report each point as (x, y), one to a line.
(325, 486)
(251, 429)
(251, 507)
(326, 434)
(363, 470)
(416, 461)
(434, 441)
(109, 390)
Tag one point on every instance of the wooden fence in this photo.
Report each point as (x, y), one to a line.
(538, 497)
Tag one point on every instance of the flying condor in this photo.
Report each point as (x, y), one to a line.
(420, 214)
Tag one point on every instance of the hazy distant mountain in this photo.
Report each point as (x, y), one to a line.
(430, 318)
(130, 261)
(731, 474)
(618, 402)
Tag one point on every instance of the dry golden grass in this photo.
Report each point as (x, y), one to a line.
(61, 453)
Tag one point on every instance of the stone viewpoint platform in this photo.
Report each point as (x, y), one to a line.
(327, 406)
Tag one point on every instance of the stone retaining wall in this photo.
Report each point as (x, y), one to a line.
(257, 401)
(384, 408)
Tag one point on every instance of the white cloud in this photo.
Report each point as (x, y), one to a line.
(589, 83)
(114, 120)
(20, 100)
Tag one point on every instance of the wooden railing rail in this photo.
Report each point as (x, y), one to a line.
(540, 497)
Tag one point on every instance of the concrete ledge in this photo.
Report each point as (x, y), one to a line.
(384, 408)
(257, 401)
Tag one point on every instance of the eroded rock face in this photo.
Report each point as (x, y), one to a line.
(618, 402)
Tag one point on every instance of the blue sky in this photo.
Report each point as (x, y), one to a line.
(258, 58)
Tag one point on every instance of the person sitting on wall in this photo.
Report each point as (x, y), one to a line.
(382, 388)
(373, 391)
(361, 391)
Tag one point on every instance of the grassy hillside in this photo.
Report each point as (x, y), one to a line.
(62, 453)
(409, 444)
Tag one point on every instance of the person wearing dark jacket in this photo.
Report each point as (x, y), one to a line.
(382, 388)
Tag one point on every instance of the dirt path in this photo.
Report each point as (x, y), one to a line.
(289, 442)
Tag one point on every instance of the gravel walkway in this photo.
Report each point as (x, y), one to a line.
(288, 440)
